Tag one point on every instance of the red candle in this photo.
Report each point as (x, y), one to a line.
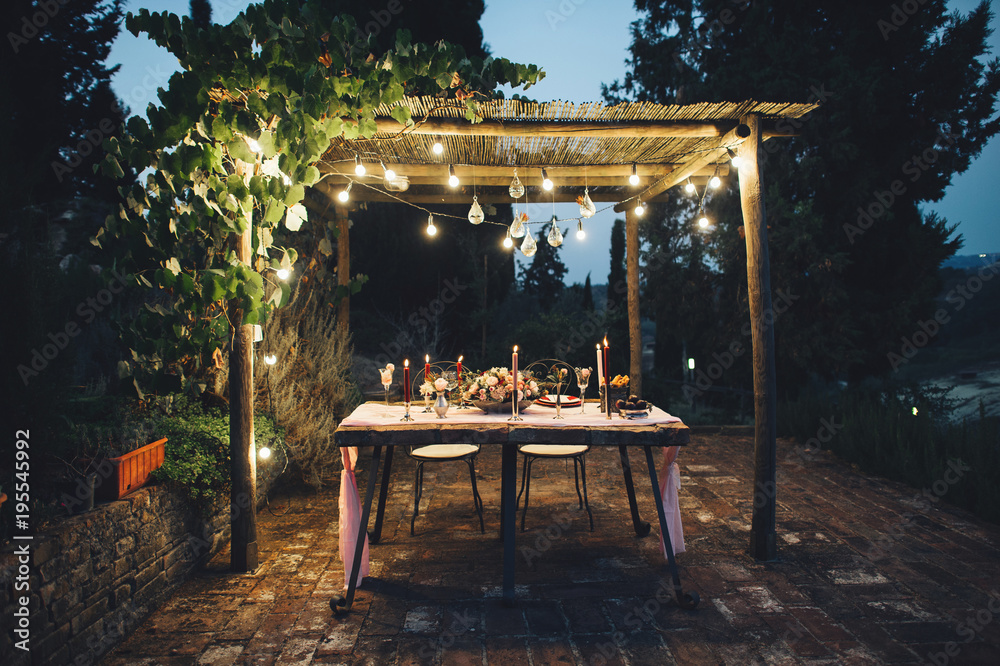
(427, 368)
(607, 367)
(406, 380)
(459, 372)
(513, 363)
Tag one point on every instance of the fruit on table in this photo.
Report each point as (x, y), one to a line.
(619, 381)
(633, 404)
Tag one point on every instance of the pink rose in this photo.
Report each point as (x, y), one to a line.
(441, 384)
(491, 381)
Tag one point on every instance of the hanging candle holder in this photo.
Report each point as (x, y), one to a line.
(516, 189)
(587, 207)
(529, 247)
(555, 237)
(476, 212)
(517, 228)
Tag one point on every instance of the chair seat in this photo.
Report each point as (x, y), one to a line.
(553, 450)
(443, 451)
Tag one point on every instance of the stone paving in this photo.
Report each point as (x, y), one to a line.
(870, 572)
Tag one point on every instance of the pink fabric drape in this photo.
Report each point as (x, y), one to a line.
(350, 517)
(670, 486)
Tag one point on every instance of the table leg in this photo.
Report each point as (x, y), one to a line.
(687, 600)
(376, 533)
(641, 526)
(339, 604)
(507, 510)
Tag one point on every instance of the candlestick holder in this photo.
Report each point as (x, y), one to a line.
(406, 416)
(558, 404)
(513, 409)
(427, 404)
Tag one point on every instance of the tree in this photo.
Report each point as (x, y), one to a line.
(55, 95)
(201, 13)
(588, 295)
(616, 312)
(543, 278)
(906, 105)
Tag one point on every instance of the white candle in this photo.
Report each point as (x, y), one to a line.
(600, 367)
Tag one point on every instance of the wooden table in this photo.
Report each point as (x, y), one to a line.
(369, 426)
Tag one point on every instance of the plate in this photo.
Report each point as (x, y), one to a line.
(565, 401)
(634, 414)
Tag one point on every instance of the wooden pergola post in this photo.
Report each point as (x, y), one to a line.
(343, 268)
(243, 465)
(632, 278)
(763, 542)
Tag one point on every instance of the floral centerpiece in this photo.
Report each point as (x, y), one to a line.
(492, 390)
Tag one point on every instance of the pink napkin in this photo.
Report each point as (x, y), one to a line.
(670, 486)
(350, 517)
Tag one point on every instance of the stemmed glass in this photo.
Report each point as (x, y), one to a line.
(451, 377)
(385, 374)
(582, 379)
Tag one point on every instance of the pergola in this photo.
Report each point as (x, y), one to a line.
(597, 146)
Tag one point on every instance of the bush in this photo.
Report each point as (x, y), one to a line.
(903, 433)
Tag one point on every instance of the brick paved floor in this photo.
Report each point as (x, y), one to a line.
(869, 572)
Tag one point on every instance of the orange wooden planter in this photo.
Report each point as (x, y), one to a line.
(131, 470)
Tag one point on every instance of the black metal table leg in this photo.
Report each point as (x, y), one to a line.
(376, 533)
(507, 511)
(340, 604)
(641, 526)
(687, 600)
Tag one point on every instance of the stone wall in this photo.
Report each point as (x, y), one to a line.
(97, 575)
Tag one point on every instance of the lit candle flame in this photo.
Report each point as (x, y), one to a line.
(515, 349)
(427, 358)
(460, 358)
(406, 363)
(605, 341)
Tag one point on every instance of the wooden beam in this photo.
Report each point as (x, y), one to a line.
(763, 542)
(464, 195)
(733, 138)
(525, 173)
(343, 269)
(567, 128)
(632, 294)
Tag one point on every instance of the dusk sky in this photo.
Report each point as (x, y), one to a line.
(580, 44)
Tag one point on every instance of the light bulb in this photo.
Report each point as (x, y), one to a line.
(282, 273)
(546, 182)
(270, 359)
(703, 222)
(639, 208)
(734, 158)
(359, 167)
(452, 178)
(264, 453)
(345, 193)
(508, 242)
(689, 187)
(715, 182)
(438, 148)
(580, 233)
(634, 178)
(431, 229)
(389, 173)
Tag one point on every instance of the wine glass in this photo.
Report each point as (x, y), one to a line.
(451, 376)
(385, 374)
(582, 380)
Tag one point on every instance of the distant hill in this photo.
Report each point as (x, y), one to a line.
(965, 261)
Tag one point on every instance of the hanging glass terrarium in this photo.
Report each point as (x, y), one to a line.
(517, 228)
(587, 207)
(516, 189)
(528, 247)
(555, 237)
(476, 212)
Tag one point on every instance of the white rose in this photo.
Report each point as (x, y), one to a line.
(491, 381)
(440, 383)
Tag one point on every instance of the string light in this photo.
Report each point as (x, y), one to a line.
(703, 220)
(452, 178)
(359, 167)
(639, 208)
(390, 175)
(282, 273)
(270, 359)
(508, 242)
(734, 158)
(438, 148)
(715, 182)
(345, 193)
(689, 187)
(580, 233)
(633, 180)
(431, 229)
(546, 183)
(264, 453)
